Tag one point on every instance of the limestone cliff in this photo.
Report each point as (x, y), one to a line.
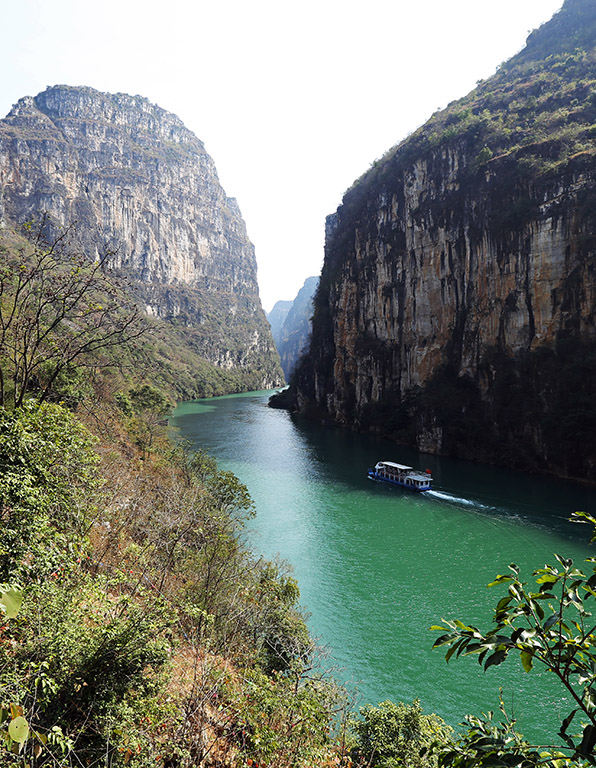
(457, 303)
(130, 175)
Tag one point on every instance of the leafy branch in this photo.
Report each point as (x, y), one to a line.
(550, 625)
(57, 307)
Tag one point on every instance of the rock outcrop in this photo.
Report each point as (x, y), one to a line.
(457, 303)
(131, 177)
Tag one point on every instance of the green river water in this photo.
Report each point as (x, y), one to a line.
(377, 566)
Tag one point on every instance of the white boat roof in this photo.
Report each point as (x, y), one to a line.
(394, 465)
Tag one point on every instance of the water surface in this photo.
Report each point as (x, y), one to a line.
(377, 565)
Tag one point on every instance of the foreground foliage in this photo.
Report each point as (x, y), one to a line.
(392, 735)
(137, 629)
(551, 625)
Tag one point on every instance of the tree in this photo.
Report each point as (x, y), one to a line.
(57, 308)
(146, 407)
(550, 625)
(393, 735)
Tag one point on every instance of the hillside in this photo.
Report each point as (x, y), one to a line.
(131, 179)
(457, 299)
(136, 627)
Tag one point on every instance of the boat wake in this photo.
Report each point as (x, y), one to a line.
(451, 499)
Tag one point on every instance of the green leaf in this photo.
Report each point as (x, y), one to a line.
(564, 562)
(589, 699)
(527, 660)
(547, 579)
(584, 517)
(592, 581)
(501, 579)
(445, 639)
(460, 625)
(588, 741)
(495, 659)
(452, 650)
(537, 608)
(11, 601)
(18, 730)
(567, 722)
(551, 620)
(503, 604)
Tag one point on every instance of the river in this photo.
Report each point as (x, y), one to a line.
(377, 566)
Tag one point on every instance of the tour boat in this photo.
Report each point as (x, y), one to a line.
(399, 474)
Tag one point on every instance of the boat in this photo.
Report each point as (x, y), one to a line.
(400, 474)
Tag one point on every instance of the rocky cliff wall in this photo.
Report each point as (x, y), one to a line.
(457, 302)
(131, 177)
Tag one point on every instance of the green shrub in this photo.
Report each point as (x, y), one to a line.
(48, 482)
(393, 735)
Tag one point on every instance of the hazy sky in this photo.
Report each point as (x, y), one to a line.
(292, 100)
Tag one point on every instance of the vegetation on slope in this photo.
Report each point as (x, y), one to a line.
(137, 629)
(93, 297)
(147, 634)
(539, 107)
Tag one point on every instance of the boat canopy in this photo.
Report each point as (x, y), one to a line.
(393, 465)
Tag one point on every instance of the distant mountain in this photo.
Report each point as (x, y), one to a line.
(277, 318)
(130, 174)
(293, 335)
(457, 305)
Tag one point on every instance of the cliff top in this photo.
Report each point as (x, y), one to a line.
(136, 115)
(574, 26)
(539, 107)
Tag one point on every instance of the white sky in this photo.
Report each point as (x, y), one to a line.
(293, 100)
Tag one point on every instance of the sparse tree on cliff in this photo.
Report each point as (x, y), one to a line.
(57, 309)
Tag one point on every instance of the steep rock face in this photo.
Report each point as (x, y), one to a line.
(294, 335)
(457, 302)
(132, 177)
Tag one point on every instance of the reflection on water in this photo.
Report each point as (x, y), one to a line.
(378, 565)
